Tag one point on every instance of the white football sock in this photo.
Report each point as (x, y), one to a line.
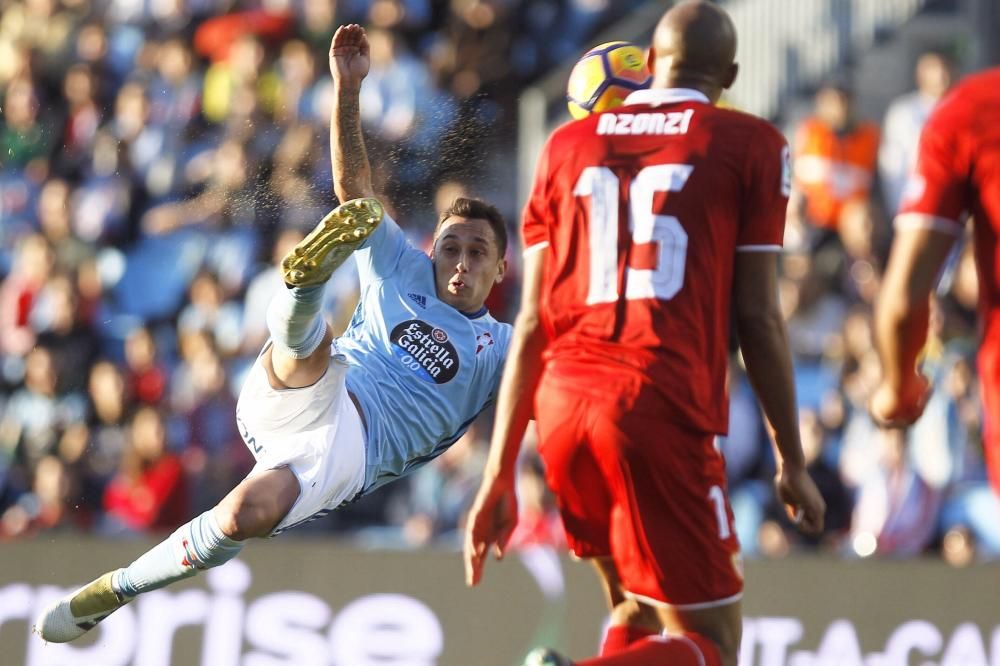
(294, 322)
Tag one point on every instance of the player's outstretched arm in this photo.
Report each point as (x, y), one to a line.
(493, 516)
(349, 64)
(902, 313)
(764, 342)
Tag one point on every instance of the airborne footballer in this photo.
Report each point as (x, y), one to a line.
(330, 420)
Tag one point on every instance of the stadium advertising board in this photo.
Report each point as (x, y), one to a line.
(307, 603)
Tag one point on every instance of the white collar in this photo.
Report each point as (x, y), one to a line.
(659, 96)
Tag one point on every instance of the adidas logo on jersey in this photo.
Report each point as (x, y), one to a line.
(419, 299)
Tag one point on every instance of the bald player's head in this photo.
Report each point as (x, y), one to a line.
(694, 46)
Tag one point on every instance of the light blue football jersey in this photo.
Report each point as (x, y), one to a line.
(421, 370)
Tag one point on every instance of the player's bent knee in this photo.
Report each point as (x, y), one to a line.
(285, 370)
(256, 506)
(635, 614)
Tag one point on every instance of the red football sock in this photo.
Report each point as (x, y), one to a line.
(620, 636)
(686, 650)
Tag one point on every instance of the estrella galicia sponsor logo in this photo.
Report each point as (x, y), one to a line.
(425, 350)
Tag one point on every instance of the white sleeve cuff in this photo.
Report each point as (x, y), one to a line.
(931, 222)
(758, 248)
(531, 249)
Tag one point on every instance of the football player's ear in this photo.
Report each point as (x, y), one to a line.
(501, 269)
(650, 59)
(730, 76)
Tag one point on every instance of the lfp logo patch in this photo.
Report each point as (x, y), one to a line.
(425, 350)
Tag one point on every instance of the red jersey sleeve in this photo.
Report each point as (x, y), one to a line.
(936, 193)
(537, 213)
(768, 182)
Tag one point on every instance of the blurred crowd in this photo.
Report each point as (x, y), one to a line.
(888, 492)
(159, 158)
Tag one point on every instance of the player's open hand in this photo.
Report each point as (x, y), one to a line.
(802, 499)
(893, 407)
(350, 55)
(491, 521)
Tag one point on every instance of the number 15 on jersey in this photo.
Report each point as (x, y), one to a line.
(667, 277)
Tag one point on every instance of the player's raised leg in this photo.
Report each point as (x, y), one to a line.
(298, 356)
(252, 509)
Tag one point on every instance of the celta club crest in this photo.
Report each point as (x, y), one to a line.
(483, 341)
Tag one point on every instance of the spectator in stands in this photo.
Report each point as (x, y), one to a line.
(440, 492)
(896, 511)
(145, 374)
(55, 220)
(45, 506)
(208, 310)
(105, 196)
(143, 141)
(83, 117)
(36, 413)
(477, 45)
(904, 120)
(90, 47)
(109, 412)
(834, 163)
(24, 139)
(92, 301)
(63, 332)
(295, 196)
(175, 91)
(295, 74)
(395, 81)
(317, 21)
(816, 443)
(32, 267)
(148, 493)
(240, 69)
(813, 310)
(749, 465)
(213, 427)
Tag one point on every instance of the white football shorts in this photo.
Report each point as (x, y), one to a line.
(315, 431)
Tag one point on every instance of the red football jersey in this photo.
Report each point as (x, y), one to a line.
(958, 171)
(643, 209)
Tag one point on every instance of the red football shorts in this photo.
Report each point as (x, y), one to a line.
(637, 487)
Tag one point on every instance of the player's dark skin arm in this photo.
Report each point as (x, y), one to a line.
(349, 64)
(764, 343)
(902, 314)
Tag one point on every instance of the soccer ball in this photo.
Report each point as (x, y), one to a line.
(605, 76)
